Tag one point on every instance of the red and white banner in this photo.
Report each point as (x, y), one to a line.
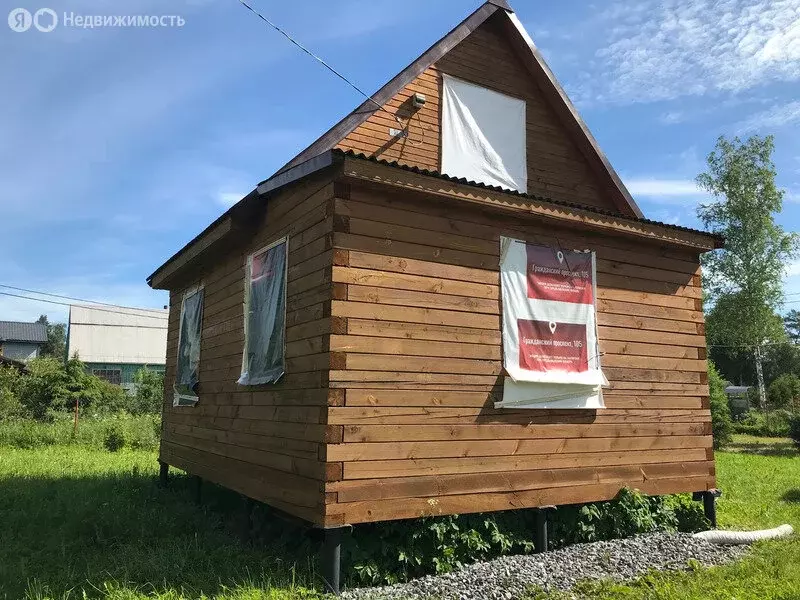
(549, 327)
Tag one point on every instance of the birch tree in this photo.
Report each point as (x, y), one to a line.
(744, 281)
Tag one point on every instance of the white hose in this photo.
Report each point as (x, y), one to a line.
(718, 536)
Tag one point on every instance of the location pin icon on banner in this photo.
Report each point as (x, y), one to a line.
(552, 326)
(560, 256)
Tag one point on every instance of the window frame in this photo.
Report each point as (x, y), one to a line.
(104, 375)
(248, 270)
(179, 398)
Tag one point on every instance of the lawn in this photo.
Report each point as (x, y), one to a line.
(78, 522)
(760, 479)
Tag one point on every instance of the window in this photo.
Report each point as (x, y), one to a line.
(265, 315)
(110, 375)
(188, 363)
(483, 135)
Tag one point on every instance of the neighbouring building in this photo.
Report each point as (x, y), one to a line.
(22, 341)
(738, 398)
(115, 342)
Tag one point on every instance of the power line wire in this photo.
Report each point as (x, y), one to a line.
(320, 61)
(19, 289)
(116, 312)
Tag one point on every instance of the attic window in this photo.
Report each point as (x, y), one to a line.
(265, 315)
(483, 135)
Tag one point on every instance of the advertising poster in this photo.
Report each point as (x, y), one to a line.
(550, 344)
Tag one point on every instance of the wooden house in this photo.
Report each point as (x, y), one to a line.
(334, 345)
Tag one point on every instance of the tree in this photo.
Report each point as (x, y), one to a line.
(784, 392)
(149, 396)
(781, 359)
(56, 345)
(744, 280)
(792, 323)
(721, 425)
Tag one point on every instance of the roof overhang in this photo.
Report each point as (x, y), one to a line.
(373, 171)
(236, 220)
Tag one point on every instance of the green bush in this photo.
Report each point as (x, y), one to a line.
(108, 399)
(149, 396)
(784, 392)
(774, 423)
(114, 439)
(10, 406)
(44, 388)
(721, 423)
(398, 550)
(794, 429)
(689, 515)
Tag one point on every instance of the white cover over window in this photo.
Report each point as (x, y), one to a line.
(265, 315)
(483, 135)
(186, 372)
(550, 345)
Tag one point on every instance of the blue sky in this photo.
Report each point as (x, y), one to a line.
(120, 144)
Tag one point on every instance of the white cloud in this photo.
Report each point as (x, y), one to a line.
(672, 117)
(665, 49)
(792, 196)
(668, 190)
(777, 116)
(228, 199)
(793, 269)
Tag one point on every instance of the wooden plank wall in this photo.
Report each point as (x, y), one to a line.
(262, 441)
(556, 167)
(416, 289)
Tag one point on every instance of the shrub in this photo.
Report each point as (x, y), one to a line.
(149, 396)
(114, 439)
(721, 424)
(767, 424)
(10, 406)
(784, 392)
(794, 429)
(43, 388)
(108, 399)
(689, 515)
(398, 550)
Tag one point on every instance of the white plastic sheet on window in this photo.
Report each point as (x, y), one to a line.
(265, 316)
(550, 346)
(187, 370)
(483, 135)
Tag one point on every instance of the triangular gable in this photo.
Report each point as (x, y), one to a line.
(490, 48)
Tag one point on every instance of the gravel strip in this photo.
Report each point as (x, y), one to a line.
(510, 577)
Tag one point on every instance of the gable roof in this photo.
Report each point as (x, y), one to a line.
(537, 67)
(15, 331)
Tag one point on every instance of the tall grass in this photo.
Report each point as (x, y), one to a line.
(139, 432)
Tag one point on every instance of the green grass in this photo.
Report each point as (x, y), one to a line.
(78, 523)
(140, 432)
(760, 479)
